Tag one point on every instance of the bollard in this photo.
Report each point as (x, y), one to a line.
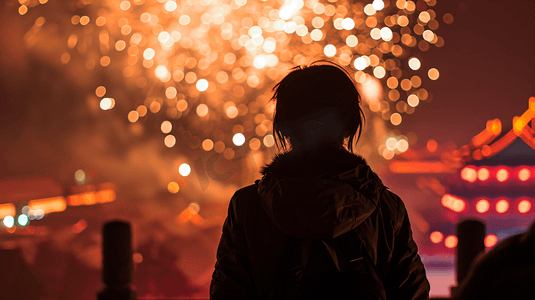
(117, 262)
(471, 242)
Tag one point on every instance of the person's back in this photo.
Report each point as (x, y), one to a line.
(319, 224)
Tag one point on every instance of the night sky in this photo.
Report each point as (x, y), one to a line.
(487, 70)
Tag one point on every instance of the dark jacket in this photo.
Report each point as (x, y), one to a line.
(314, 196)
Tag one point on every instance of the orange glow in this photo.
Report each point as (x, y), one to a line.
(79, 226)
(436, 237)
(450, 241)
(502, 143)
(502, 175)
(453, 203)
(137, 258)
(496, 126)
(90, 198)
(458, 205)
(49, 205)
(492, 130)
(105, 196)
(483, 174)
(413, 167)
(502, 206)
(469, 174)
(490, 240)
(524, 174)
(524, 206)
(482, 206)
(432, 146)
(173, 187)
(7, 209)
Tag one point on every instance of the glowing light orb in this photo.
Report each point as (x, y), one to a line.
(524, 206)
(378, 5)
(482, 206)
(238, 139)
(502, 175)
(79, 176)
(433, 74)
(9, 221)
(161, 71)
(403, 145)
(524, 174)
(469, 174)
(360, 63)
(413, 100)
(166, 127)
(194, 208)
(170, 6)
(502, 206)
(169, 141)
(386, 34)
(133, 116)
(414, 63)
(450, 241)
(329, 50)
(22, 220)
(106, 104)
(352, 41)
(173, 187)
(184, 169)
(483, 174)
(436, 237)
(395, 119)
(269, 141)
(348, 23)
(391, 143)
(202, 85)
(490, 240)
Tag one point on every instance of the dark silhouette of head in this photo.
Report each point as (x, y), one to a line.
(316, 104)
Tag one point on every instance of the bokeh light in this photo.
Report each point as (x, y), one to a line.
(524, 206)
(502, 175)
(450, 241)
(524, 174)
(490, 240)
(483, 174)
(482, 206)
(502, 206)
(184, 169)
(436, 237)
(185, 64)
(9, 221)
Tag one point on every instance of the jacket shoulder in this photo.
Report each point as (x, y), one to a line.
(392, 204)
(244, 198)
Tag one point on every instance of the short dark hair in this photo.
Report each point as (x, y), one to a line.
(307, 89)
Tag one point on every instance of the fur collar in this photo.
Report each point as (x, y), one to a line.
(324, 160)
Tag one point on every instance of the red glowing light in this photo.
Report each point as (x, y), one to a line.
(450, 241)
(502, 175)
(436, 237)
(79, 226)
(137, 258)
(483, 174)
(482, 206)
(469, 174)
(502, 206)
(524, 174)
(490, 240)
(524, 206)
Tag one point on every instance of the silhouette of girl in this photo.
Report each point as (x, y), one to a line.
(320, 224)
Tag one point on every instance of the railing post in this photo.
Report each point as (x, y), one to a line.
(117, 265)
(471, 242)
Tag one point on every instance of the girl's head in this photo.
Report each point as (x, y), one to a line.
(316, 104)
